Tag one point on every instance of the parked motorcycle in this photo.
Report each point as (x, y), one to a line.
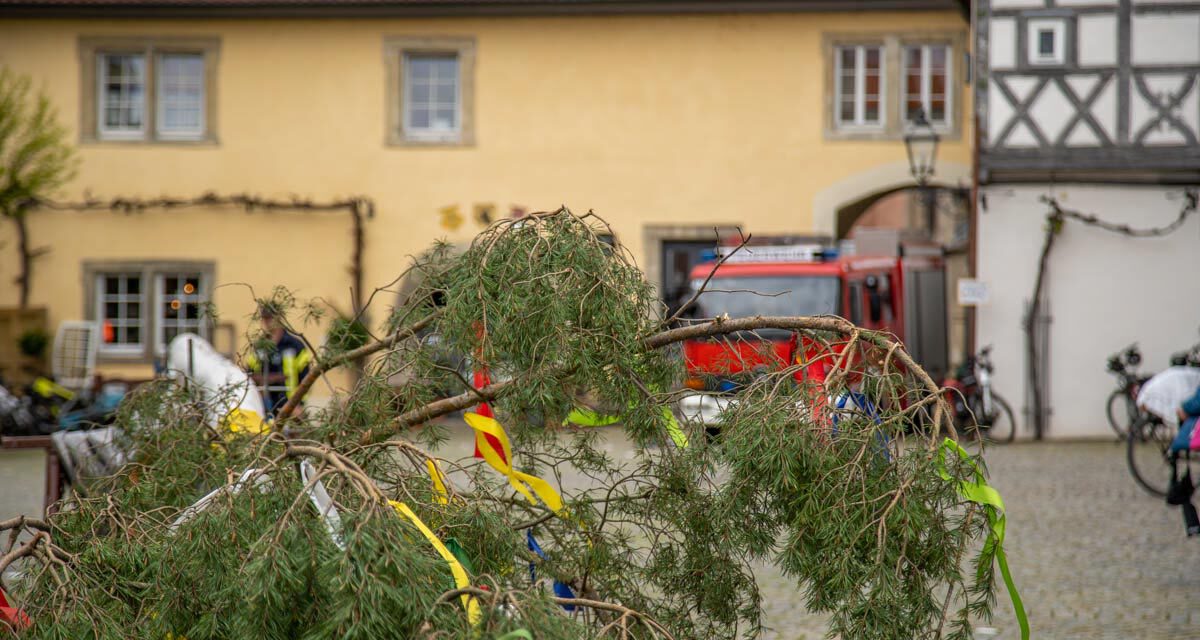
(978, 410)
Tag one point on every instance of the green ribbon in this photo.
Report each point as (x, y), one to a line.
(981, 493)
(460, 554)
(585, 417)
(519, 633)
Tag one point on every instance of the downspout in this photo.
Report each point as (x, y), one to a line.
(976, 143)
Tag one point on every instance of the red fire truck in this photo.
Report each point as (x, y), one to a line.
(903, 293)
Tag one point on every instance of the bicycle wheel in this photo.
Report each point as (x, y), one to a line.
(1148, 455)
(1001, 427)
(1119, 417)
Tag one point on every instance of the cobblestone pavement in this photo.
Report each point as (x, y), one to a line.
(1093, 556)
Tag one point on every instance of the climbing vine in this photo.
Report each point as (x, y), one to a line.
(360, 209)
(1055, 221)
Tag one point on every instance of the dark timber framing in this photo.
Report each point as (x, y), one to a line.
(1121, 155)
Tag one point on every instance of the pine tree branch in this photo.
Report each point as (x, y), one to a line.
(320, 368)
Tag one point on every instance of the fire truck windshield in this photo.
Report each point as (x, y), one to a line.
(768, 296)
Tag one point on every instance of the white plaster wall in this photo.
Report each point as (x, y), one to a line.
(1103, 291)
(1165, 39)
(1002, 43)
(1097, 40)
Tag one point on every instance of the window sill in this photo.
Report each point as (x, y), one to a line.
(946, 134)
(400, 140)
(119, 357)
(207, 141)
(861, 134)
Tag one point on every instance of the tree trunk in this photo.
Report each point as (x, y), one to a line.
(24, 276)
(1037, 414)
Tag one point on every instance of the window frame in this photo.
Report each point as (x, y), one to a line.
(894, 125)
(397, 50)
(860, 95)
(102, 130)
(430, 134)
(1036, 27)
(92, 49)
(100, 298)
(160, 105)
(926, 83)
(151, 273)
(160, 297)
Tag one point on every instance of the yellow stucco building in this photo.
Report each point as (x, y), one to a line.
(666, 118)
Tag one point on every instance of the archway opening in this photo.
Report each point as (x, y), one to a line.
(889, 209)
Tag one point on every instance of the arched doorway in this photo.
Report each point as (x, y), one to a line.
(890, 209)
(886, 199)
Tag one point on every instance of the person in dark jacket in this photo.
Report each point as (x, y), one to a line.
(1181, 489)
(278, 368)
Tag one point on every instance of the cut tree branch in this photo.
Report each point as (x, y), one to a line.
(719, 326)
(318, 369)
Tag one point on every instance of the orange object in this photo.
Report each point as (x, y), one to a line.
(108, 331)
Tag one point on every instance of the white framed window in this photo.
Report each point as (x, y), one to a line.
(121, 95)
(119, 311)
(148, 89)
(142, 306)
(432, 92)
(179, 306)
(858, 79)
(927, 73)
(1047, 41)
(181, 100)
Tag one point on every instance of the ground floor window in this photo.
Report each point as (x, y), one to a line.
(142, 306)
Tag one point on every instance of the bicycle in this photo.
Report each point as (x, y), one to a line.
(979, 410)
(1149, 456)
(1121, 407)
(1148, 444)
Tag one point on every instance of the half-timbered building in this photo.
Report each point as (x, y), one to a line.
(1094, 105)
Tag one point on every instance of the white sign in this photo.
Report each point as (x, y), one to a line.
(972, 293)
(773, 253)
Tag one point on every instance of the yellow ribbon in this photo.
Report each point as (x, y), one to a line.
(441, 496)
(981, 493)
(522, 482)
(460, 575)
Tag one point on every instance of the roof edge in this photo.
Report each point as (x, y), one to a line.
(366, 9)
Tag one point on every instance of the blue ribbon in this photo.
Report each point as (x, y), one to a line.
(864, 404)
(561, 589)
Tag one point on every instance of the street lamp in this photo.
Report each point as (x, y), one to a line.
(921, 144)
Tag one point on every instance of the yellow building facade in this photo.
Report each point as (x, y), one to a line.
(665, 124)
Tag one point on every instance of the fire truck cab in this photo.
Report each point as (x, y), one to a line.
(903, 293)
